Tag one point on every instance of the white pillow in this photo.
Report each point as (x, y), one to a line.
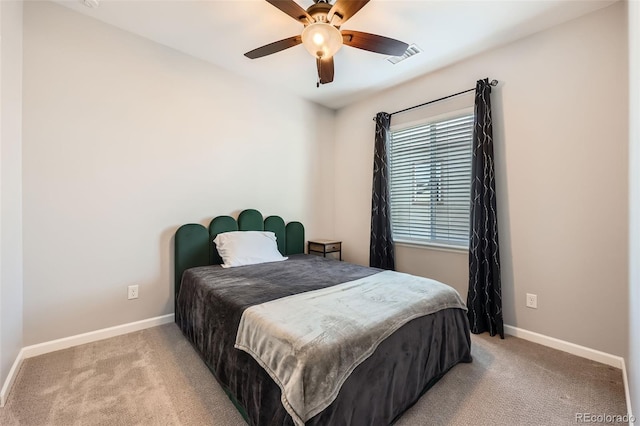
(238, 248)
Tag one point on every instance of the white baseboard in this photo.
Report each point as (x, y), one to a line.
(627, 393)
(79, 339)
(13, 373)
(581, 351)
(572, 348)
(93, 336)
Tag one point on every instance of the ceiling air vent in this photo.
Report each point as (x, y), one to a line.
(411, 51)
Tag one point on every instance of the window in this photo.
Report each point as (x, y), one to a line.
(430, 181)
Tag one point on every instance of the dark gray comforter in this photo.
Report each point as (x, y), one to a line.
(211, 302)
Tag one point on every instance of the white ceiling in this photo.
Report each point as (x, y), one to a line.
(221, 31)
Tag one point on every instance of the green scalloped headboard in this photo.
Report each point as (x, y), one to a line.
(194, 243)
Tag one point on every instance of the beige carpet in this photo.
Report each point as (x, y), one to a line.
(155, 377)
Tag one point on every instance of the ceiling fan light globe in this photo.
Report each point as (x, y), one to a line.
(321, 40)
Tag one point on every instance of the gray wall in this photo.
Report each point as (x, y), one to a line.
(124, 141)
(634, 206)
(561, 120)
(10, 184)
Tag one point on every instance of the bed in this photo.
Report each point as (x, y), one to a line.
(212, 303)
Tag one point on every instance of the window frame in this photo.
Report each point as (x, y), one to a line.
(432, 243)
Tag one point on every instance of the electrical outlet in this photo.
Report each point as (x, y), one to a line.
(133, 292)
(532, 301)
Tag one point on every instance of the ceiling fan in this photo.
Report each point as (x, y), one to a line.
(322, 35)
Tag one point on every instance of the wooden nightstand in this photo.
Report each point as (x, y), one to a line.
(323, 247)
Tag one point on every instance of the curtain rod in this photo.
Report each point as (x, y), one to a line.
(493, 83)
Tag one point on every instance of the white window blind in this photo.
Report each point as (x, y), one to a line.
(430, 181)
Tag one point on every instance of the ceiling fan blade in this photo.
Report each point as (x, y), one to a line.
(342, 10)
(274, 47)
(325, 70)
(374, 43)
(292, 9)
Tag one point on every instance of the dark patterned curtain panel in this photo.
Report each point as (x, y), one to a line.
(381, 250)
(484, 299)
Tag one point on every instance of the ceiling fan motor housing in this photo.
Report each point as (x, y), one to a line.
(319, 11)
